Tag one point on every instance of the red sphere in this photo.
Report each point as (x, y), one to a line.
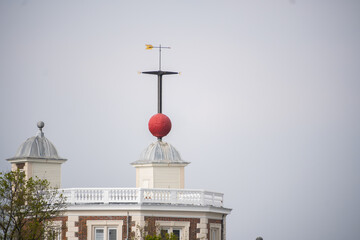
(159, 125)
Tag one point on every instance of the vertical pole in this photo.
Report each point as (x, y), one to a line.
(159, 93)
(127, 226)
(160, 57)
(159, 86)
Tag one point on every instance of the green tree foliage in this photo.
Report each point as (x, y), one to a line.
(143, 233)
(27, 207)
(167, 236)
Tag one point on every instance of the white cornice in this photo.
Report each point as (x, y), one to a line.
(39, 160)
(148, 207)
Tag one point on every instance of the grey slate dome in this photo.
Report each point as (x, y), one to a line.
(160, 152)
(37, 147)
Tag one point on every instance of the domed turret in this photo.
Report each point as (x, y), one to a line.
(160, 166)
(37, 156)
(160, 152)
(37, 147)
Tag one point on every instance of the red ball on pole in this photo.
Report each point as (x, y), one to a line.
(159, 125)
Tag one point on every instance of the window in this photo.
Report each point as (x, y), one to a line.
(112, 233)
(179, 228)
(164, 232)
(176, 232)
(170, 230)
(54, 232)
(102, 234)
(99, 234)
(20, 167)
(104, 229)
(215, 231)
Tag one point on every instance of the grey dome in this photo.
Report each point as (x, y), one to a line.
(160, 152)
(37, 147)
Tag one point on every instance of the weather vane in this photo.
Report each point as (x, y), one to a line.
(159, 73)
(149, 46)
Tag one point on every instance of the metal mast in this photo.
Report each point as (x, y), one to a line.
(159, 73)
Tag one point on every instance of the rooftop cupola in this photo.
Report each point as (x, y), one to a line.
(37, 146)
(160, 152)
(37, 156)
(160, 166)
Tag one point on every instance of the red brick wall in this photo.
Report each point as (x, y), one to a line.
(193, 224)
(151, 224)
(82, 234)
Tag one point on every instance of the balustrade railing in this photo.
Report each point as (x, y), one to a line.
(142, 195)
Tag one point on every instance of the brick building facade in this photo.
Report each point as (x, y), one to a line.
(159, 204)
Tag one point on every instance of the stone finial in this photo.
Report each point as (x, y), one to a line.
(40, 125)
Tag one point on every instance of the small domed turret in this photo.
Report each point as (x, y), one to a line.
(37, 147)
(38, 157)
(160, 166)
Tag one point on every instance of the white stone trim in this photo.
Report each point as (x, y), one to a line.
(203, 234)
(183, 225)
(42, 160)
(224, 227)
(139, 227)
(70, 234)
(161, 165)
(139, 207)
(92, 224)
(173, 213)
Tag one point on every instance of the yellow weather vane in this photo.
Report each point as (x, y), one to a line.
(149, 46)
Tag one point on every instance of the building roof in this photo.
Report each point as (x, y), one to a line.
(37, 147)
(160, 152)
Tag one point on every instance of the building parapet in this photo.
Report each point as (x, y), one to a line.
(141, 195)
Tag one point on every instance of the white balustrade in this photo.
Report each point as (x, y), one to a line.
(142, 195)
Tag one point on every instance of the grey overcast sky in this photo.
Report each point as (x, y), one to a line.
(266, 108)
